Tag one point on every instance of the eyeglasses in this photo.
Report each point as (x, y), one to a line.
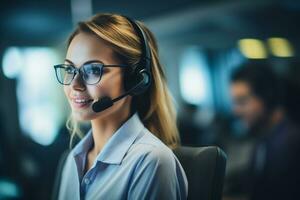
(91, 73)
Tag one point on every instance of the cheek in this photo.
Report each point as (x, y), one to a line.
(259, 108)
(255, 109)
(111, 85)
(67, 91)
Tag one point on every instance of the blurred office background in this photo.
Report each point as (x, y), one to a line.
(201, 42)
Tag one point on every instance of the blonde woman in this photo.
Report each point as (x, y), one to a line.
(112, 77)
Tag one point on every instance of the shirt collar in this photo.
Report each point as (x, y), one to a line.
(117, 146)
(84, 145)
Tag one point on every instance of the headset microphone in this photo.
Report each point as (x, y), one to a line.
(106, 102)
(102, 104)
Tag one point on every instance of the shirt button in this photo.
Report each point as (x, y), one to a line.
(87, 181)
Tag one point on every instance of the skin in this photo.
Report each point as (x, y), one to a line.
(83, 48)
(249, 108)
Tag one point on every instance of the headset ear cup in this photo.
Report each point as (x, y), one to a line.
(143, 83)
(138, 83)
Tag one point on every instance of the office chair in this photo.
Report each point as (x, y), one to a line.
(205, 170)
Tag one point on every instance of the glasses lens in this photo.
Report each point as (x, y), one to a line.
(92, 73)
(65, 74)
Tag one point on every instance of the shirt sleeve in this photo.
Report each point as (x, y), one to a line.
(158, 176)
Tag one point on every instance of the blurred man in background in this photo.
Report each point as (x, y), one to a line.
(273, 171)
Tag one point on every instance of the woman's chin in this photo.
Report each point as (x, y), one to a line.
(83, 116)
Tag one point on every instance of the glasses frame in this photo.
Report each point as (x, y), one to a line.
(80, 71)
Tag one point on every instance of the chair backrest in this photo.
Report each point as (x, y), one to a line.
(205, 170)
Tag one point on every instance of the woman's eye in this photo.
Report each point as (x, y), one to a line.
(93, 71)
(69, 70)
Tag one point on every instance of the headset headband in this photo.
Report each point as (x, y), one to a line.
(145, 60)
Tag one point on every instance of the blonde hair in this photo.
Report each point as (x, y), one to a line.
(154, 107)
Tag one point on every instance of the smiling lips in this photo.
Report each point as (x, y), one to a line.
(79, 102)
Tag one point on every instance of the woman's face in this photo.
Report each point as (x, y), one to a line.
(84, 48)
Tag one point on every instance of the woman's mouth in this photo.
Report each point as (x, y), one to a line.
(81, 102)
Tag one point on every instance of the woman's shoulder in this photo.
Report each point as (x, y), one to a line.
(156, 169)
(149, 148)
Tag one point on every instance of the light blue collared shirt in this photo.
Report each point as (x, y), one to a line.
(133, 164)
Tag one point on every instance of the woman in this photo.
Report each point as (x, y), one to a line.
(112, 77)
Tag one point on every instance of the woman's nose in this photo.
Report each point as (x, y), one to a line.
(78, 83)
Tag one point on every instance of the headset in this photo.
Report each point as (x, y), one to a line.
(138, 79)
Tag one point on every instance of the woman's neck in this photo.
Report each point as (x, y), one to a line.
(104, 128)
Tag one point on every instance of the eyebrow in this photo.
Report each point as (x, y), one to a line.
(87, 62)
